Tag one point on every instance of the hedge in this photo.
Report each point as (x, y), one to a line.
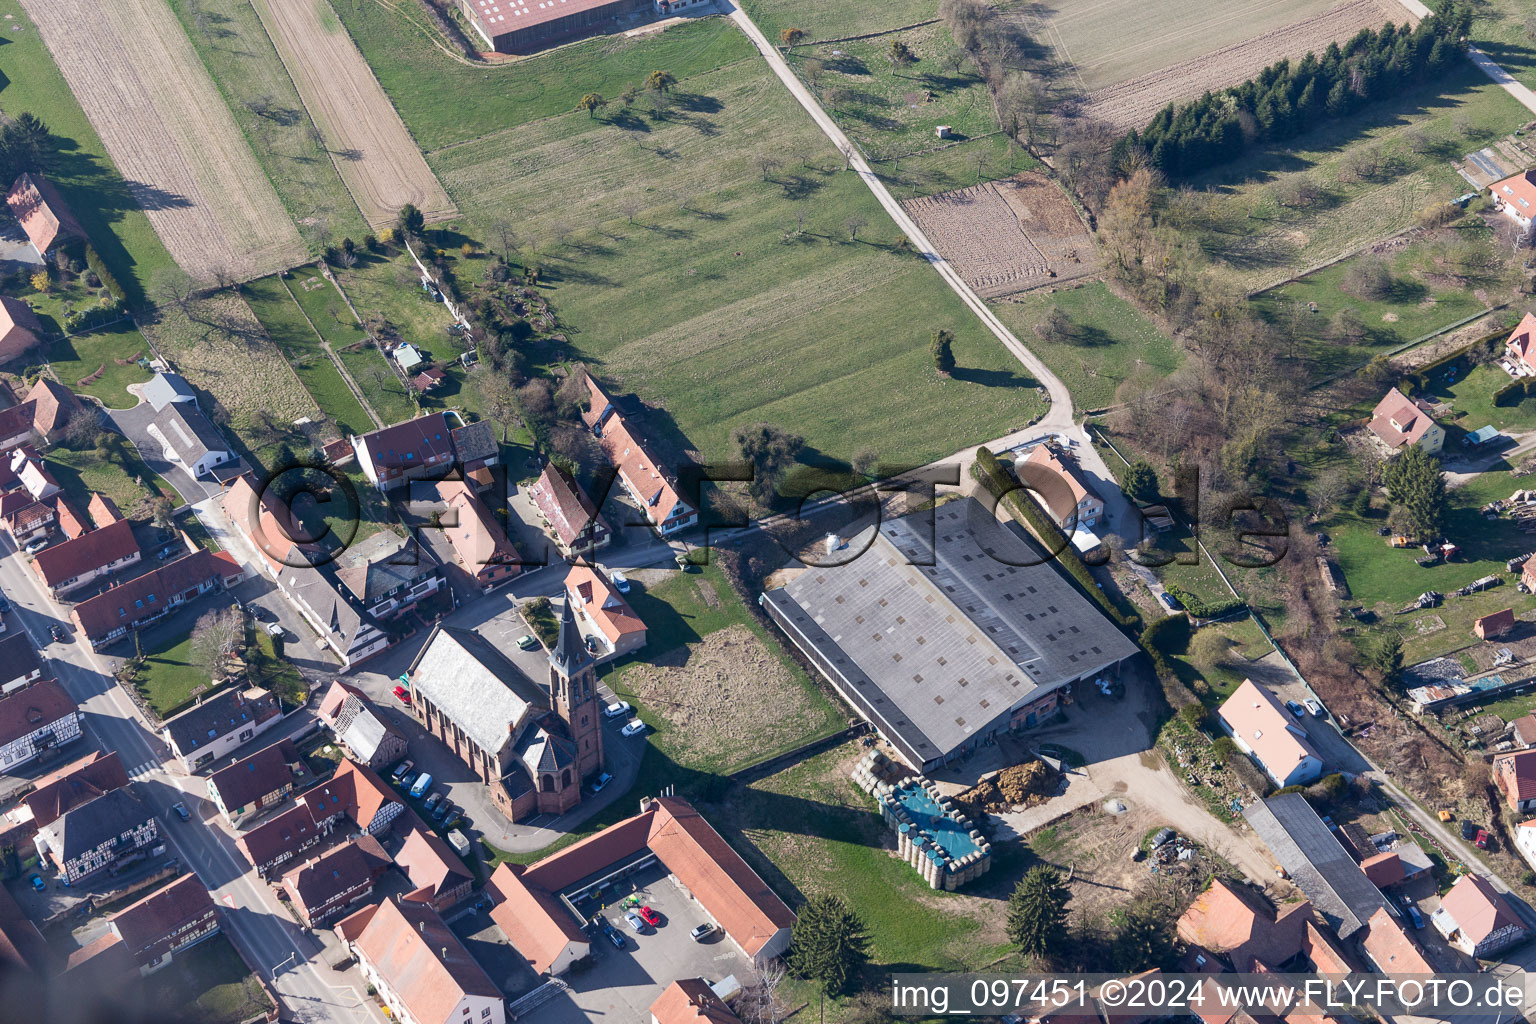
(1202, 609)
(1025, 509)
(1515, 392)
(1419, 380)
(95, 265)
(94, 316)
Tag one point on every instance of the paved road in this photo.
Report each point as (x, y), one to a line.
(252, 917)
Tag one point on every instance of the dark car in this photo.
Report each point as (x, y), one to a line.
(1171, 601)
(1469, 830)
(408, 779)
(614, 935)
(1295, 709)
(443, 810)
(5, 604)
(181, 811)
(57, 632)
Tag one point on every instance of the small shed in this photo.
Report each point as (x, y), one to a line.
(1481, 436)
(1497, 624)
(944, 131)
(408, 357)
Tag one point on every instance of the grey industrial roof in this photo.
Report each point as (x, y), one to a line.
(188, 431)
(164, 388)
(473, 683)
(1315, 860)
(937, 633)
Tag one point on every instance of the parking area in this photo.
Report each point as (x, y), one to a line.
(1335, 750)
(621, 984)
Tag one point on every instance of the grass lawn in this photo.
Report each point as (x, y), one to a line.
(680, 615)
(209, 983)
(96, 193)
(443, 101)
(327, 311)
(271, 670)
(81, 472)
(270, 300)
(728, 298)
(1112, 342)
(831, 19)
(989, 158)
(113, 350)
(1256, 242)
(235, 48)
(892, 112)
(1471, 401)
(1221, 678)
(392, 289)
(1458, 614)
(168, 679)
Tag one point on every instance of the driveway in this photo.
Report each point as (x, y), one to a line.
(134, 425)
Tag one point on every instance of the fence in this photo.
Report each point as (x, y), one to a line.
(539, 996)
(773, 765)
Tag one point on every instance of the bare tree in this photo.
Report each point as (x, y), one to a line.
(767, 162)
(760, 1002)
(629, 206)
(217, 635)
(854, 224)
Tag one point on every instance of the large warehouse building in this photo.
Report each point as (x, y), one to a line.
(526, 26)
(939, 636)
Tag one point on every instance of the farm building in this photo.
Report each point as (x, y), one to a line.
(975, 632)
(1515, 198)
(1497, 624)
(524, 26)
(42, 212)
(18, 328)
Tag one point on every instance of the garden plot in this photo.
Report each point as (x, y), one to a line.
(1131, 102)
(168, 130)
(374, 154)
(1008, 236)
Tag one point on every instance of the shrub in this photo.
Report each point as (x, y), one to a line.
(1223, 749)
(94, 263)
(1193, 715)
(1201, 608)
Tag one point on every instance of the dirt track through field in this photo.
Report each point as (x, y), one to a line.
(168, 131)
(1133, 103)
(374, 154)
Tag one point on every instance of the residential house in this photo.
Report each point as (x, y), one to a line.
(19, 664)
(359, 727)
(436, 873)
(604, 612)
(1477, 919)
(15, 426)
(418, 966)
(115, 614)
(35, 720)
(1265, 731)
(691, 1001)
(354, 799)
(256, 783)
(1399, 421)
(389, 574)
(475, 447)
(1495, 625)
(168, 921)
(74, 784)
(577, 527)
(217, 725)
(1232, 928)
(336, 614)
(1515, 776)
(67, 567)
(1059, 483)
(53, 406)
(1389, 948)
(166, 388)
(43, 213)
(263, 519)
(1515, 198)
(651, 486)
(418, 449)
(326, 888)
(701, 863)
(111, 831)
(1524, 731)
(532, 744)
(19, 329)
(483, 548)
(187, 439)
(536, 923)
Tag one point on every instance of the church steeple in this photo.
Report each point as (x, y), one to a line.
(569, 655)
(573, 692)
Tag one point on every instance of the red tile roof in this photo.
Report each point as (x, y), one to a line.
(99, 615)
(1516, 775)
(355, 790)
(336, 696)
(53, 404)
(1384, 869)
(1400, 420)
(424, 441)
(1478, 908)
(1525, 729)
(274, 837)
(1059, 481)
(19, 327)
(569, 511)
(24, 711)
(1389, 947)
(536, 923)
(606, 606)
(1257, 718)
(430, 864)
(630, 456)
(476, 536)
(75, 784)
(1496, 624)
(43, 214)
(1233, 924)
(103, 964)
(691, 1001)
(21, 944)
(162, 912)
(431, 972)
(502, 16)
(16, 422)
(1522, 340)
(86, 553)
(354, 864)
(1518, 191)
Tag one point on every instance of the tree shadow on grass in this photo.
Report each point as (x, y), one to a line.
(993, 378)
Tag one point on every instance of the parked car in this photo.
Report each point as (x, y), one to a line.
(274, 629)
(432, 802)
(36, 546)
(423, 783)
(633, 920)
(402, 695)
(1316, 708)
(407, 779)
(591, 642)
(600, 782)
(38, 883)
(701, 932)
(1413, 913)
(443, 810)
(650, 917)
(181, 811)
(5, 604)
(634, 728)
(1481, 841)
(614, 935)
(401, 769)
(618, 709)
(57, 632)
(455, 820)
(620, 581)
(1295, 709)
(527, 642)
(1469, 830)
(1171, 601)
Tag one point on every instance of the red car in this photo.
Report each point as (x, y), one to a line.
(1481, 842)
(403, 695)
(650, 917)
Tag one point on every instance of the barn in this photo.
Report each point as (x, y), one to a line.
(527, 26)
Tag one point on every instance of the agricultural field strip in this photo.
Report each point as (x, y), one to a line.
(378, 159)
(1132, 103)
(166, 126)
